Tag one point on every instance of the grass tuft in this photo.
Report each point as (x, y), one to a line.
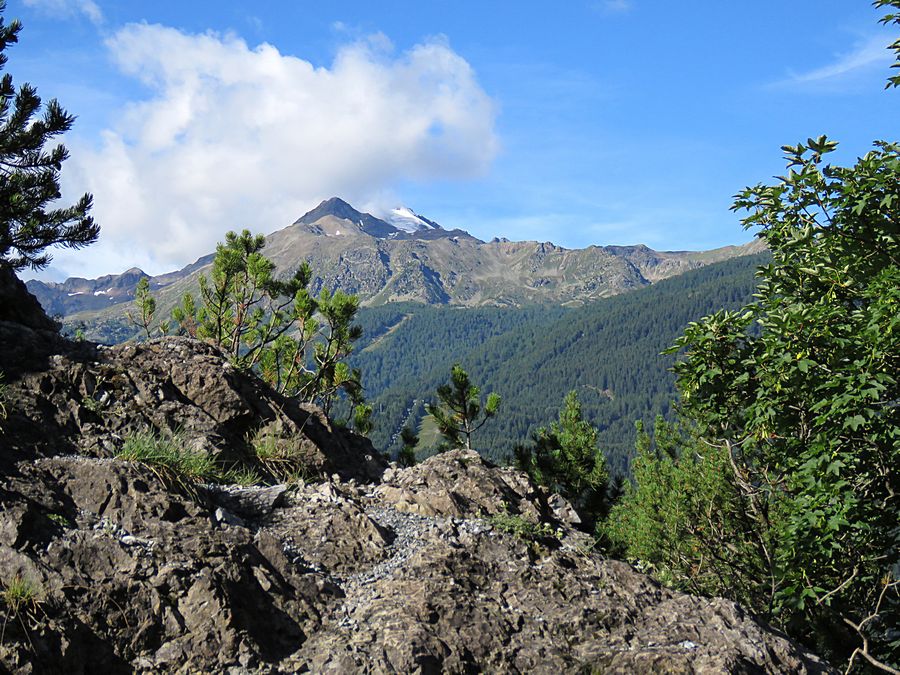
(243, 476)
(169, 458)
(171, 461)
(281, 458)
(21, 595)
(168, 453)
(22, 598)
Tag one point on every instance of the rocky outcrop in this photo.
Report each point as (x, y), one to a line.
(338, 576)
(19, 306)
(454, 565)
(87, 399)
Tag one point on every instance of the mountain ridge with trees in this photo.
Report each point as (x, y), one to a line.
(365, 256)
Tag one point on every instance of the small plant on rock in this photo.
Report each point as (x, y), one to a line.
(3, 397)
(169, 459)
(522, 528)
(281, 458)
(22, 598)
(20, 595)
(60, 520)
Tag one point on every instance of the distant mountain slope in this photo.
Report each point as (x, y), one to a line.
(609, 351)
(76, 294)
(410, 258)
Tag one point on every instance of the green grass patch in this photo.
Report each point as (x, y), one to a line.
(22, 598)
(60, 520)
(241, 475)
(168, 454)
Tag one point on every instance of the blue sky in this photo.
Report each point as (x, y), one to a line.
(579, 122)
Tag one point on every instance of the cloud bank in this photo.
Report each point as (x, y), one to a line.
(233, 136)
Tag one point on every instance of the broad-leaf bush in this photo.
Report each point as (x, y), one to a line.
(796, 405)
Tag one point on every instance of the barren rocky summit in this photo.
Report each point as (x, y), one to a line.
(453, 565)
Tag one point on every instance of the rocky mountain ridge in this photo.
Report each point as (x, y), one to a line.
(454, 565)
(417, 261)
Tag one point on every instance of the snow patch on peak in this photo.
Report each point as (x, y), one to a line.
(404, 218)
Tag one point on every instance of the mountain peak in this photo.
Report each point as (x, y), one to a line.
(338, 208)
(400, 223)
(335, 206)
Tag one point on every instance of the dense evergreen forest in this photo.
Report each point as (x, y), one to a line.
(609, 351)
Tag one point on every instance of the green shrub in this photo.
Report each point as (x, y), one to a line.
(566, 458)
(407, 455)
(686, 521)
(522, 528)
(785, 498)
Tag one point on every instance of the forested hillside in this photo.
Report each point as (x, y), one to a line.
(608, 350)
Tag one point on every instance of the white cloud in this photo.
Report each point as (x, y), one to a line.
(865, 55)
(69, 8)
(235, 137)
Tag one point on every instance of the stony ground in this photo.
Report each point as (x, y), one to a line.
(337, 577)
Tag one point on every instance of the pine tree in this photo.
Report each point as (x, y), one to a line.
(407, 455)
(457, 417)
(567, 459)
(145, 304)
(29, 174)
(184, 316)
(296, 342)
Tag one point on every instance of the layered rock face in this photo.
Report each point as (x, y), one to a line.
(450, 566)
(86, 399)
